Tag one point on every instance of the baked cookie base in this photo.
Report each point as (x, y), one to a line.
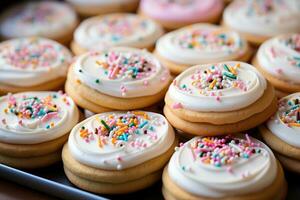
(78, 50)
(281, 85)
(87, 11)
(97, 102)
(56, 84)
(31, 156)
(276, 191)
(288, 155)
(177, 68)
(115, 181)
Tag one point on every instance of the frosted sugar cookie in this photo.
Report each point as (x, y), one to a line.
(227, 167)
(120, 78)
(50, 19)
(278, 59)
(221, 98)
(99, 7)
(200, 44)
(173, 14)
(118, 152)
(259, 20)
(282, 132)
(102, 32)
(29, 64)
(34, 127)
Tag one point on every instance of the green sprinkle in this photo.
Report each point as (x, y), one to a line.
(229, 75)
(105, 125)
(226, 68)
(97, 81)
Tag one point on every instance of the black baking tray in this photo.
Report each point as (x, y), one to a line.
(52, 180)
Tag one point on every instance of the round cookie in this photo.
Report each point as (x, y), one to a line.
(216, 99)
(117, 79)
(278, 59)
(102, 32)
(118, 152)
(173, 14)
(200, 44)
(50, 19)
(99, 7)
(259, 20)
(281, 132)
(32, 63)
(227, 167)
(34, 127)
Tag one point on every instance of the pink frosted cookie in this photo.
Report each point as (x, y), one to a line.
(175, 14)
(278, 59)
(259, 20)
(99, 7)
(102, 32)
(30, 64)
(48, 19)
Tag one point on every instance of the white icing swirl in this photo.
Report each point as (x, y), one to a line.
(36, 117)
(27, 62)
(280, 57)
(263, 17)
(201, 44)
(48, 19)
(147, 138)
(285, 124)
(122, 72)
(207, 88)
(131, 30)
(243, 175)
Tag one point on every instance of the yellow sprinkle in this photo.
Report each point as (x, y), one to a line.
(138, 112)
(232, 70)
(100, 143)
(6, 110)
(78, 81)
(294, 124)
(212, 84)
(238, 65)
(52, 124)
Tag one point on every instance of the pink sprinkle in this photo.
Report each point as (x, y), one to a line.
(119, 158)
(218, 98)
(177, 106)
(229, 169)
(3, 121)
(279, 71)
(146, 82)
(49, 116)
(20, 123)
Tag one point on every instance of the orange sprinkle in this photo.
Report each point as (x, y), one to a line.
(294, 124)
(78, 81)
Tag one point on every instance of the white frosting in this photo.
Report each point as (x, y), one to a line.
(49, 19)
(122, 84)
(34, 125)
(192, 90)
(263, 17)
(28, 62)
(201, 44)
(99, 33)
(242, 176)
(279, 57)
(287, 127)
(98, 150)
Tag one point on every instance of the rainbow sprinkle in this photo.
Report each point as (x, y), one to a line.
(290, 111)
(124, 129)
(222, 151)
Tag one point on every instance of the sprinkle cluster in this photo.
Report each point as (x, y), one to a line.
(206, 40)
(263, 7)
(211, 81)
(290, 111)
(33, 108)
(32, 54)
(125, 65)
(38, 13)
(124, 130)
(223, 151)
(119, 27)
(293, 42)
